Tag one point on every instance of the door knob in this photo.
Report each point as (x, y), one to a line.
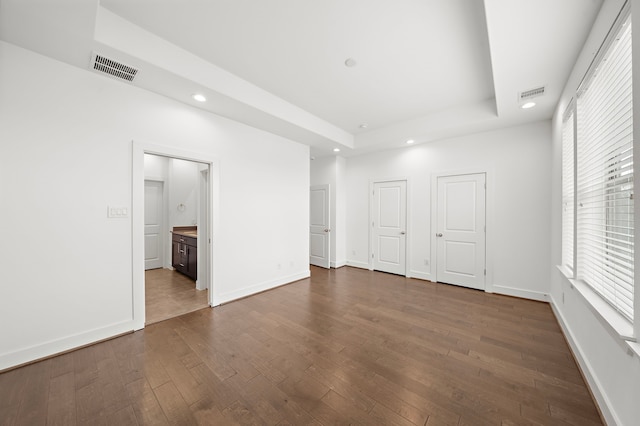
(327, 230)
(439, 235)
(402, 232)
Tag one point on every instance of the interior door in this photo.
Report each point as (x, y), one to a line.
(461, 231)
(389, 225)
(153, 218)
(320, 226)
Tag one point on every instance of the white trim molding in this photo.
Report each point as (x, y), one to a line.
(517, 292)
(427, 276)
(338, 264)
(356, 264)
(67, 343)
(260, 287)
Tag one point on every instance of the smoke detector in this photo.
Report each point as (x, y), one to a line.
(112, 68)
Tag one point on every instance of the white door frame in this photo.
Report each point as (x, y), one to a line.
(204, 276)
(489, 215)
(137, 219)
(407, 256)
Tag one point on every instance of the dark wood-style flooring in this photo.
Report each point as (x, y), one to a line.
(169, 294)
(346, 346)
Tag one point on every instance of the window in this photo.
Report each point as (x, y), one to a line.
(604, 176)
(568, 142)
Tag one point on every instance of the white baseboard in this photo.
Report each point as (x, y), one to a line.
(53, 347)
(517, 292)
(338, 264)
(355, 264)
(420, 275)
(257, 288)
(587, 371)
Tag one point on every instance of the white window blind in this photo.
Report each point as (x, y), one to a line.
(605, 176)
(567, 188)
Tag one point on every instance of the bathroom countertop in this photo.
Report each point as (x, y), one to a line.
(187, 231)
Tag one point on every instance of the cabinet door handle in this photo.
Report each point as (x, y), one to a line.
(182, 264)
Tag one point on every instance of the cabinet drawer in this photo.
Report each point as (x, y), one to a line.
(192, 241)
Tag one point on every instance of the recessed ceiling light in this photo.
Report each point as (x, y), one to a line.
(528, 105)
(336, 149)
(410, 141)
(364, 126)
(199, 97)
(350, 62)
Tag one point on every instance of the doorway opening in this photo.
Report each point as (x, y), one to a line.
(175, 214)
(174, 194)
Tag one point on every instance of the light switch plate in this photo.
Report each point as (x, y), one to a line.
(117, 212)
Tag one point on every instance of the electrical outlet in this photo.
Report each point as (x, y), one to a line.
(353, 252)
(426, 262)
(279, 266)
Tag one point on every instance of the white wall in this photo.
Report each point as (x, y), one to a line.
(612, 370)
(331, 170)
(66, 137)
(183, 191)
(516, 161)
(156, 167)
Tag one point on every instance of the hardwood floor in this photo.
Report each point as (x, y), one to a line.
(347, 346)
(169, 294)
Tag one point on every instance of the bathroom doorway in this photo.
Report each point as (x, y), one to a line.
(175, 212)
(166, 289)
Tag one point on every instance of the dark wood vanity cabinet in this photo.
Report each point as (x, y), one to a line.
(184, 256)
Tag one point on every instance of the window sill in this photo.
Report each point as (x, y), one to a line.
(611, 319)
(634, 347)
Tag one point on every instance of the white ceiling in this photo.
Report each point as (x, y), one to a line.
(413, 57)
(426, 69)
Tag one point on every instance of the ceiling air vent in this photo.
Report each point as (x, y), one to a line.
(529, 94)
(113, 68)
